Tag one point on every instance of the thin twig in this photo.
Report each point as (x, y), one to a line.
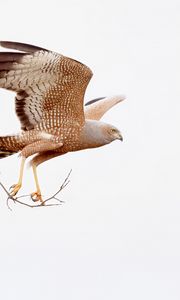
(42, 204)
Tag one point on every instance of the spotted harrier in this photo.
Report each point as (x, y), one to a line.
(49, 100)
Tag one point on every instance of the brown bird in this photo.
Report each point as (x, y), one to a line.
(49, 99)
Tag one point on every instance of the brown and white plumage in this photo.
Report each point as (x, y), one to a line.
(44, 81)
(49, 100)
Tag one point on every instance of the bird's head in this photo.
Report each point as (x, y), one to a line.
(96, 134)
(111, 133)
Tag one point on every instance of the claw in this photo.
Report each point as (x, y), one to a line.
(15, 189)
(12, 186)
(36, 196)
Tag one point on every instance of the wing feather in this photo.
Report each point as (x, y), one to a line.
(94, 100)
(20, 46)
(96, 108)
(43, 80)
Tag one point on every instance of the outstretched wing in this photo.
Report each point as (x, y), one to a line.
(96, 108)
(47, 85)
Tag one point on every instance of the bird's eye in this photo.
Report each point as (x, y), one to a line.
(113, 130)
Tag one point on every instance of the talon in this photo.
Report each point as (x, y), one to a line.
(36, 196)
(15, 189)
(12, 186)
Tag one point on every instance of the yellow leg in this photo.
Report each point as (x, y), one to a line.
(36, 196)
(16, 187)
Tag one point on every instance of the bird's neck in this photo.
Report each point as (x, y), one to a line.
(91, 135)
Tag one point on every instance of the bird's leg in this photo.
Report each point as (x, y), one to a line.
(40, 147)
(36, 161)
(36, 147)
(16, 187)
(36, 196)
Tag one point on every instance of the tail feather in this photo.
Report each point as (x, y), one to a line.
(7, 153)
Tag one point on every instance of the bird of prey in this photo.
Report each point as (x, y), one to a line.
(50, 90)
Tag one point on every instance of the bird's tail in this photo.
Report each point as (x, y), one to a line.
(5, 153)
(9, 145)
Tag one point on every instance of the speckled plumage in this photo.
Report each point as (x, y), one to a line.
(49, 99)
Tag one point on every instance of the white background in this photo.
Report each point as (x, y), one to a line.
(118, 234)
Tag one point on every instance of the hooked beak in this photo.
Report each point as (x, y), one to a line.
(120, 137)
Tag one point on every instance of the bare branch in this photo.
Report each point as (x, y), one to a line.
(42, 204)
